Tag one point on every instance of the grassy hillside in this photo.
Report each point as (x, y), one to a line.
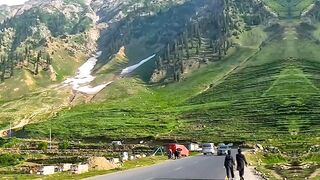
(130, 103)
(276, 95)
(272, 87)
(289, 8)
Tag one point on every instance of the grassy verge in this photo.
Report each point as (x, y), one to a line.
(67, 176)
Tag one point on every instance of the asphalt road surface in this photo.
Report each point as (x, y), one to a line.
(195, 168)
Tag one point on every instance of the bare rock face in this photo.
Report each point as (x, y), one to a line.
(158, 75)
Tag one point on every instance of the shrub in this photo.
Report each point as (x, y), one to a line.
(9, 143)
(43, 146)
(64, 145)
(10, 159)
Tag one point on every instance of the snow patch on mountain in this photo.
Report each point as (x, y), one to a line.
(130, 69)
(83, 78)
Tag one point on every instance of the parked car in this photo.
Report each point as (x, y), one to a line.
(223, 149)
(208, 149)
(174, 147)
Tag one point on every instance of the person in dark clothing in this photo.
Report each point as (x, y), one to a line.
(241, 162)
(228, 164)
(177, 154)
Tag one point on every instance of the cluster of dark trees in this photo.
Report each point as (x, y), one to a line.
(34, 61)
(183, 36)
(158, 29)
(253, 12)
(212, 27)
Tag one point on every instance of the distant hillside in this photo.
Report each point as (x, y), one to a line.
(45, 42)
(221, 69)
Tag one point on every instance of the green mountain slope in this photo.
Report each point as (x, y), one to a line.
(44, 44)
(228, 71)
(270, 85)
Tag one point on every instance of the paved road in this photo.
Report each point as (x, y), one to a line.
(195, 168)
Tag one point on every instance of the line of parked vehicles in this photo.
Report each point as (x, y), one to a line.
(211, 149)
(176, 151)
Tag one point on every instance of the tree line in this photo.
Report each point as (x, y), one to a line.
(32, 60)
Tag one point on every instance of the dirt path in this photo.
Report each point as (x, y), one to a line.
(250, 174)
(227, 74)
(315, 174)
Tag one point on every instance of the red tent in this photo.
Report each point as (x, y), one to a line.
(183, 150)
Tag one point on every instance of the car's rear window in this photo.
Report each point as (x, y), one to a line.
(206, 145)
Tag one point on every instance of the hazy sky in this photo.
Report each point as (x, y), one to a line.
(12, 2)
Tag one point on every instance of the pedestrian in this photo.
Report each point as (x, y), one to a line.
(241, 162)
(229, 164)
(177, 154)
(170, 154)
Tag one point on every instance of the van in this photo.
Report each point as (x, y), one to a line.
(208, 149)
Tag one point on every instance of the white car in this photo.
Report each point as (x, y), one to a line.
(208, 149)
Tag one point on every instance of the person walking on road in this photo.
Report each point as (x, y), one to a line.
(241, 162)
(229, 164)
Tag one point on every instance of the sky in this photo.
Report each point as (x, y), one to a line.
(12, 2)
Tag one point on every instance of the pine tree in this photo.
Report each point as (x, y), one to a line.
(48, 59)
(36, 71)
(11, 68)
(168, 53)
(3, 68)
(159, 62)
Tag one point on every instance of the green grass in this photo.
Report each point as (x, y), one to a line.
(253, 38)
(312, 157)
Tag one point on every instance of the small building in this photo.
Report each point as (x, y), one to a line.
(115, 160)
(80, 168)
(116, 143)
(125, 156)
(66, 167)
(46, 170)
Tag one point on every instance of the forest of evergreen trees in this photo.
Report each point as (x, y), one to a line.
(23, 29)
(33, 61)
(211, 27)
(220, 25)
